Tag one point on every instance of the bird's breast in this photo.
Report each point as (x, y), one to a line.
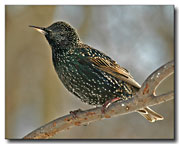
(88, 83)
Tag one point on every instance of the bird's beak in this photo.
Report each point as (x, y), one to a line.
(39, 29)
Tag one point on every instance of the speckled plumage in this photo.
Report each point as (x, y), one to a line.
(80, 75)
(86, 72)
(85, 80)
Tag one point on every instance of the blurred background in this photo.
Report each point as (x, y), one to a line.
(139, 38)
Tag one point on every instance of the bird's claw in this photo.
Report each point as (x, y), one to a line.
(107, 104)
(74, 113)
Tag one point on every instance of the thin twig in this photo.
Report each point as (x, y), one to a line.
(145, 97)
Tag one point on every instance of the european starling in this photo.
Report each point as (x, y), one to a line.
(88, 73)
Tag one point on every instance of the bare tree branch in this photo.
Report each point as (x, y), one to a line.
(153, 81)
(145, 97)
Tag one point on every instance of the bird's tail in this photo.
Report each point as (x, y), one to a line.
(150, 115)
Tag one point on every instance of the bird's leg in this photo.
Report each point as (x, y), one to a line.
(74, 113)
(108, 103)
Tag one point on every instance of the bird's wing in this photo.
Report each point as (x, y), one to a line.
(111, 67)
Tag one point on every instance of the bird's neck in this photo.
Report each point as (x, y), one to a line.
(60, 54)
(60, 51)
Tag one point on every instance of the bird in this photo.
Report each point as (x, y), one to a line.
(89, 74)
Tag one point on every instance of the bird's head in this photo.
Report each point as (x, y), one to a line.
(59, 34)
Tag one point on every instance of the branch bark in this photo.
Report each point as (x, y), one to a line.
(145, 97)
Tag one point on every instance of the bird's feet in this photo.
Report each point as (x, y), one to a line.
(74, 113)
(108, 103)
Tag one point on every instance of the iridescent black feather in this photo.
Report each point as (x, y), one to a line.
(88, 73)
